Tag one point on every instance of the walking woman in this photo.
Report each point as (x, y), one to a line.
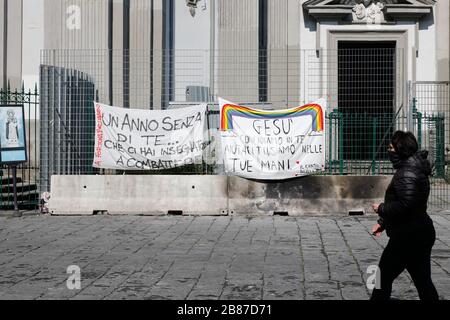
(404, 217)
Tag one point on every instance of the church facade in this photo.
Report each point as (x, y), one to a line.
(247, 50)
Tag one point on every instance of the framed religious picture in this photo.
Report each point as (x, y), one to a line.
(13, 144)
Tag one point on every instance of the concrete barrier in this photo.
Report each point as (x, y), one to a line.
(319, 195)
(138, 194)
(213, 195)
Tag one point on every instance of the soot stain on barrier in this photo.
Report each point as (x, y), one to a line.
(362, 188)
(253, 190)
(305, 187)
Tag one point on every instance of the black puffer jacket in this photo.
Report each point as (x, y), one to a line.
(404, 211)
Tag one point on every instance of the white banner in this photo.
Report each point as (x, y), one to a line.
(131, 139)
(273, 145)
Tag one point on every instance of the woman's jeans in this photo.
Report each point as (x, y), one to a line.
(412, 253)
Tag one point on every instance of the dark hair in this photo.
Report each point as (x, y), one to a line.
(405, 144)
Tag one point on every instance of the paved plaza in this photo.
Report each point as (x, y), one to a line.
(183, 257)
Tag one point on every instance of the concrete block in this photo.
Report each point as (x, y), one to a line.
(319, 195)
(138, 194)
(213, 195)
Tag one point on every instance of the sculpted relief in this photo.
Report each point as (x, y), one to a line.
(368, 11)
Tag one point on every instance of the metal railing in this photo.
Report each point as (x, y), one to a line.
(27, 173)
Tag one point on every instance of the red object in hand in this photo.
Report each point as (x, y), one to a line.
(377, 230)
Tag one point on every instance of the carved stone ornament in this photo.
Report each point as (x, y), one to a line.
(368, 11)
(359, 11)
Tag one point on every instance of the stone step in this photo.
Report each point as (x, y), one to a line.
(21, 187)
(24, 205)
(31, 195)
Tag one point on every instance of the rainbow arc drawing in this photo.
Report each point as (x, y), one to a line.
(229, 110)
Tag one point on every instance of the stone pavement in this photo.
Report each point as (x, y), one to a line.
(135, 257)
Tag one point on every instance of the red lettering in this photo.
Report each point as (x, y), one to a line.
(99, 133)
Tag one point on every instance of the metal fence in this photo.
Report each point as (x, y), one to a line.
(67, 124)
(365, 86)
(431, 111)
(27, 173)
